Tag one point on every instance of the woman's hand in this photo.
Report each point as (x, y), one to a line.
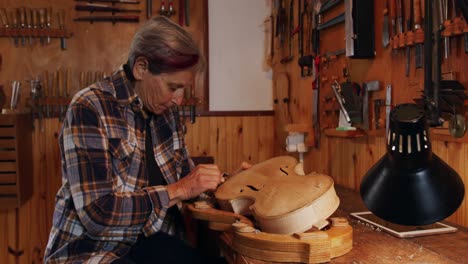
(205, 177)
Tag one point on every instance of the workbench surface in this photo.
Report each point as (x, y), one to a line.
(376, 247)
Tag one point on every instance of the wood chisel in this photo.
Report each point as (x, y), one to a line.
(388, 107)
(385, 33)
(418, 33)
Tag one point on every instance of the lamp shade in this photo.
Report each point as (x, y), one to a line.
(410, 185)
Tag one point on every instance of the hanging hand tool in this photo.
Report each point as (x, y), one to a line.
(162, 9)
(54, 92)
(315, 105)
(336, 87)
(39, 108)
(388, 107)
(48, 22)
(35, 24)
(408, 35)
(399, 15)
(41, 23)
(27, 14)
(465, 34)
(20, 13)
(392, 10)
(187, 13)
(399, 25)
(61, 22)
(332, 22)
(290, 34)
(60, 92)
(443, 15)
(300, 28)
(46, 92)
(281, 22)
(418, 33)
(329, 4)
(15, 90)
(149, 9)
(193, 105)
(33, 96)
(385, 34)
(305, 61)
(5, 23)
(170, 9)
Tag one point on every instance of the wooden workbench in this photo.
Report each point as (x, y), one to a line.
(372, 246)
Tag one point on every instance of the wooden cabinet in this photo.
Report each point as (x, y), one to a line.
(15, 159)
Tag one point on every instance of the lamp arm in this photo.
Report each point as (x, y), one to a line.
(432, 85)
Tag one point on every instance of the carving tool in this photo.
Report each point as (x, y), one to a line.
(41, 23)
(443, 14)
(61, 21)
(20, 13)
(4, 19)
(187, 12)
(15, 89)
(149, 8)
(170, 9)
(28, 15)
(408, 34)
(48, 22)
(193, 106)
(392, 10)
(418, 33)
(46, 93)
(35, 23)
(388, 107)
(290, 35)
(385, 33)
(336, 87)
(162, 9)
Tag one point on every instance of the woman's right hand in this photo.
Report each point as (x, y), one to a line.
(205, 177)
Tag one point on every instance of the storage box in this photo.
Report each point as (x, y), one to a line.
(16, 172)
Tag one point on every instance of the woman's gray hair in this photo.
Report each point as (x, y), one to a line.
(167, 47)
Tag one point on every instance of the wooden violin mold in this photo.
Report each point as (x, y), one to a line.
(240, 238)
(281, 200)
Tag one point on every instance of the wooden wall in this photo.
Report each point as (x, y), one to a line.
(347, 159)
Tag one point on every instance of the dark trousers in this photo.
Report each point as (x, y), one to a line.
(164, 248)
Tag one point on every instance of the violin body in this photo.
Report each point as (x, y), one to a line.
(281, 200)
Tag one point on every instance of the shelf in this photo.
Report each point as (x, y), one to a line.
(332, 132)
(35, 32)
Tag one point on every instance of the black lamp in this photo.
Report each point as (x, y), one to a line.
(411, 185)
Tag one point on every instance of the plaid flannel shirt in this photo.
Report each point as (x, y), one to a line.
(105, 202)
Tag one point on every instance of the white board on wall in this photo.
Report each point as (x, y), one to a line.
(237, 78)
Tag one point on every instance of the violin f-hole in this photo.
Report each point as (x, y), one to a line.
(253, 188)
(285, 172)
